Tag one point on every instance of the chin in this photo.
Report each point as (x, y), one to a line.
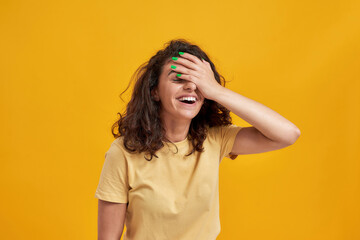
(189, 116)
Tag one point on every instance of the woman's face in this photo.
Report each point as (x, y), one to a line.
(170, 92)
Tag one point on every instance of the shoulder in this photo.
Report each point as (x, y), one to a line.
(116, 147)
(223, 130)
(119, 142)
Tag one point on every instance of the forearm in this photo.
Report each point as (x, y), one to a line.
(111, 220)
(268, 122)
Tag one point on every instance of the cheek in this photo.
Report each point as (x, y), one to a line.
(169, 92)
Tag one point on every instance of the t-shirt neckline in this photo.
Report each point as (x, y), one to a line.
(180, 143)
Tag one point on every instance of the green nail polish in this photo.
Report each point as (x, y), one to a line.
(178, 75)
(181, 53)
(174, 58)
(173, 67)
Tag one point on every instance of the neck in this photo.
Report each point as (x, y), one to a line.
(176, 130)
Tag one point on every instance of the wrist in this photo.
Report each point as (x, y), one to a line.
(218, 92)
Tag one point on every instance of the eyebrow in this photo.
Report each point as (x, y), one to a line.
(171, 71)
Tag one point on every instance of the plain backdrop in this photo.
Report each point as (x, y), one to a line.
(63, 65)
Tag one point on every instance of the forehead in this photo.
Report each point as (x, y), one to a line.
(167, 71)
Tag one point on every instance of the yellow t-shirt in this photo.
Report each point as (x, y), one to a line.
(172, 197)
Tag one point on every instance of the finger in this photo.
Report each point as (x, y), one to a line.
(206, 63)
(191, 57)
(183, 70)
(188, 77)
(185, 62)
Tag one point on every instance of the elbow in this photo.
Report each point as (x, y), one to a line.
(295, 136)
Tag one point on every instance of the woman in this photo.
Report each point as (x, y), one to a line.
(160, 174)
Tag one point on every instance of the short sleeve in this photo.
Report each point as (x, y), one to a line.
(227, 135)
(113, 185)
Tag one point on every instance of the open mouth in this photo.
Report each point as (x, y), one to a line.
(188, 101)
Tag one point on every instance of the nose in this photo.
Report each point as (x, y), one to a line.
(190, 85)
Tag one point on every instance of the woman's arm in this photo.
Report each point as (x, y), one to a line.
(111, 218)
(269, 127)
(271, 124)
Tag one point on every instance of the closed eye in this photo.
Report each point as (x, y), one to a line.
(177, 80)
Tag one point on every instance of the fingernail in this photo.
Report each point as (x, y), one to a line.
(178, 75)
(174, 58)
(173, 67)
(181, 53)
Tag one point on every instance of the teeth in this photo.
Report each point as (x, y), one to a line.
(188, 99)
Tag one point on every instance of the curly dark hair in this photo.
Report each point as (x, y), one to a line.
(141, 126)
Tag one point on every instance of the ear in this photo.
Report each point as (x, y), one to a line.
(155, 95)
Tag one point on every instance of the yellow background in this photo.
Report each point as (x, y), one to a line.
(63, 65)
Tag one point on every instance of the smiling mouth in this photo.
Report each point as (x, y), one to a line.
(187, 101)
